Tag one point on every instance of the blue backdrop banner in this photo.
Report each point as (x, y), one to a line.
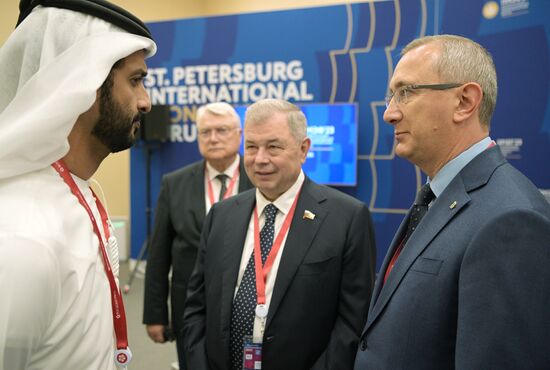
(344, 54)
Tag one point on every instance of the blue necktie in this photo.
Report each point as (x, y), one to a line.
(244, 304)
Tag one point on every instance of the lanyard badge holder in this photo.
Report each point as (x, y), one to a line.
(252, 353)
(252, 348)
(122, 354)
(123, 357)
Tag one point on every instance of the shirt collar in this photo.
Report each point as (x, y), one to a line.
(451, 169)
(229, 171)
(285, 200)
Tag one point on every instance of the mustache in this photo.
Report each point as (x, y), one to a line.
(138, 117)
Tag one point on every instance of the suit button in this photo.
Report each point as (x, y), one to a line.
(363, 345)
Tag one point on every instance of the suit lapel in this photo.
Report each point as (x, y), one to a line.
(476, 174)
(393, 246)
(438, 216)
(235, 234)
(300, 236)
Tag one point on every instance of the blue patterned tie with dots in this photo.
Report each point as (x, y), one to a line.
(244, 304)
(419, 209)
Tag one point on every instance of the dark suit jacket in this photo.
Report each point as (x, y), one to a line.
(471, 289)
(321, 292)
(179, 217)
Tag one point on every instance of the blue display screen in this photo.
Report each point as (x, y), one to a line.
(332, 128)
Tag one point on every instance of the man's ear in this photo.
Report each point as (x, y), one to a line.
(470, 96)
(304, 148)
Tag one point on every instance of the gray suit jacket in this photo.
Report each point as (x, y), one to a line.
(321, 293)
(471, 288)
(179, 217)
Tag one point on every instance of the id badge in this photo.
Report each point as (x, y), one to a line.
(252, 353)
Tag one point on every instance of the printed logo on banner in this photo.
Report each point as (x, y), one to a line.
(511, 8)
(511, 147)
(188, 87)
(293, 55)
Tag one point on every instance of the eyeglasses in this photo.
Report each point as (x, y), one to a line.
(401, 95)
(220, 131)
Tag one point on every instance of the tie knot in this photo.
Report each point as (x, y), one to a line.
(222, 177)
(270, 211)
(424, 196)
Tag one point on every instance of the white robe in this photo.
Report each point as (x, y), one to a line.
(55, 303)
(56, 306)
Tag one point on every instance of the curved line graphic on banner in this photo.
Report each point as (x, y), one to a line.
(376, 124)
(389, 49)
(375, 105)
(372, 157)
(366, 49)
(424, 18)
(343, 51)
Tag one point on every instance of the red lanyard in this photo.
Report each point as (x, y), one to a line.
(117, 305)
(229, 190)
(262, 271)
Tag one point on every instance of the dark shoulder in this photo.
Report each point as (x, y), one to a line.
(191, 170)
(230, 203)
(496, 187)
(512, 189)
(326, 193)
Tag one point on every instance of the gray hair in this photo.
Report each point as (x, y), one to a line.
(464, 60)
(262, 110)
(219, 109)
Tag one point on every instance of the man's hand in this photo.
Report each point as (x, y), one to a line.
(156, 333)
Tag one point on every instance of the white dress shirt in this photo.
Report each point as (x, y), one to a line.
(210, 176)
(283, 204)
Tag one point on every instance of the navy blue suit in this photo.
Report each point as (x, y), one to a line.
(471, 288)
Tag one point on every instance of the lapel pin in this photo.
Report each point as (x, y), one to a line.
(309, 215)
(453, 205)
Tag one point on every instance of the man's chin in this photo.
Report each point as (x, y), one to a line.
(119, 147)
(218, 152)
(216, 155)
(268, 192)
(402, 151)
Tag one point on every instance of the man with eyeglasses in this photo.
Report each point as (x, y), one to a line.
(465, 283)
(185, 198)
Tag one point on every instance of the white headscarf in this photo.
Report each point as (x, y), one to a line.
(51, 67)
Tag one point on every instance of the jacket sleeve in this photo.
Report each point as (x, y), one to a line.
(504, 297)
(159, 261)
(357, 281)
(194, 315)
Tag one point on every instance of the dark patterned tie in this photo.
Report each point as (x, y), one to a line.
(244, 304)
(419, 209)
(223, 178)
